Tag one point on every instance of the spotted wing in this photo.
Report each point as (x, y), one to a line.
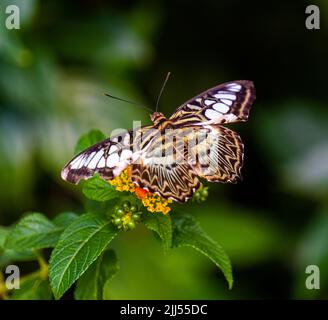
(217, 154)
(163, 169)
(108, 158)
(228, 102)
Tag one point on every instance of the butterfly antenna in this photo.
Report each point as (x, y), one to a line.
(162, 89)
(128, 101)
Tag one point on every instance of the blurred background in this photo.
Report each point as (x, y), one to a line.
(55, 69)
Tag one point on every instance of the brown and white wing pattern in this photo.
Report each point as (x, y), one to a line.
(163, 169)
(225, 103)
(108, 158)
(218, 154)
(170, 163)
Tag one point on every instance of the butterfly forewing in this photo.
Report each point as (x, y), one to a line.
(108, 158)
(228, 102)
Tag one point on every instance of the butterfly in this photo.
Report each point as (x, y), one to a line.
(170, 156)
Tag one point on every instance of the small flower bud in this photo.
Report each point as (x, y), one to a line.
(126, 206)
(133, 209)
(201, 194)
(131, 225)
(119, 212)
(117, 221)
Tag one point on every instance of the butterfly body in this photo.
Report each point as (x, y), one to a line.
(170, 156)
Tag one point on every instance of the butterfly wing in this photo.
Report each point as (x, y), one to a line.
(163, 169)
(108, 158)
(172, 164)
(217, 155)
(227, 102)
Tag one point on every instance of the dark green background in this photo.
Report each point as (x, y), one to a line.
(55, 69)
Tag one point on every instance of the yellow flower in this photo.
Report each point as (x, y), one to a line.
(123, 181)
(152, 201)
(127, 218)
(155, 203)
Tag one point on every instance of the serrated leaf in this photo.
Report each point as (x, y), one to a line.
(32, 288)
(162, 225)
(187, 232)
(88, 140)
(78, 247)
(90, 286)
(98, 189)
(34, 231)
(64, 219)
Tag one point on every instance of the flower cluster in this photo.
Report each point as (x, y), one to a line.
(201, 194)
(126, 216)
(123, 182)
(152, 201)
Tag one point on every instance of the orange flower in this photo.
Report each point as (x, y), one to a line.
(141, 193)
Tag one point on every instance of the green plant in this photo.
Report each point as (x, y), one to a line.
(80, 244)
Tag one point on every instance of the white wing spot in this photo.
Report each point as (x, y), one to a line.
(227, 102)
(126, 154)
(225, 96)
(113, 149)
(75, 163)
(235, 87)
(89, 157)
(209, 102)
(192, 107)
(224, 91)
(102, 163)
(113, 160)
(221, 107)
(93, 163)
(212, 114)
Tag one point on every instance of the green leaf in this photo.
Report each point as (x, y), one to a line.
(9, 255)
(162, 225)
(34, 231)
(32, 288)
(3, 234)
(88, 140)
(90, 286)
(98, 189)
(187, 232)
(78, 247)
(64, 219)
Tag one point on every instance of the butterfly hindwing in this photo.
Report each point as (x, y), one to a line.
(164, 169)
(228, 102)
(218, 156)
